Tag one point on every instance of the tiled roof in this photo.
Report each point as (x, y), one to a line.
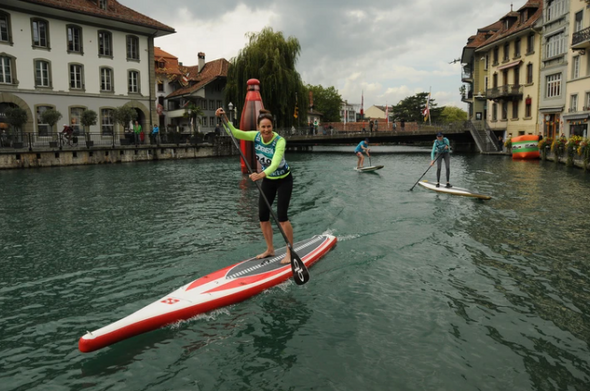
(171, 66)
(519, 25)
(211, 71)
(114, 11)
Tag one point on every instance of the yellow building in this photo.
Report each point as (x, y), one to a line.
(577, 105)
(502, 74)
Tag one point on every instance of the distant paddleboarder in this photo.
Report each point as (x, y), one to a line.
(441, 146)
(276, 177)
(362, 147)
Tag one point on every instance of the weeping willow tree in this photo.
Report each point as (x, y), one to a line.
(271, 59)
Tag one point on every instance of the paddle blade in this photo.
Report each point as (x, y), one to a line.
(300, 273)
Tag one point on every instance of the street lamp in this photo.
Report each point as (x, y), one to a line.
(230, 106)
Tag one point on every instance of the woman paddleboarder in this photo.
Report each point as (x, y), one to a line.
(276, 177)
(441, 146)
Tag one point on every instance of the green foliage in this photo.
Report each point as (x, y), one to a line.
(50, 117)
(410, 108)
(452, 114)
(193, 111)
(124, 115)
(327, 101)
(17, 117)
(88, 118)
(270, 58)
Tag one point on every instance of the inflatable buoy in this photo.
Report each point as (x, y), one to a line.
(525, 147)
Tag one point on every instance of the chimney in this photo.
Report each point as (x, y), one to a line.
(201, 56)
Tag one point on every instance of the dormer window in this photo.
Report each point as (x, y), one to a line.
(102, 4)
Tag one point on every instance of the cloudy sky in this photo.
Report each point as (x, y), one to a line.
(386, 50)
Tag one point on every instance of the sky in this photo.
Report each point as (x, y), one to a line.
(381, 50)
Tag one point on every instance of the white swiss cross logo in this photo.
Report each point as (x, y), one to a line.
(170, 301)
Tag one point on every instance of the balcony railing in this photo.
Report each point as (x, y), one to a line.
(505, 91)
(466, 75)
(581, 38)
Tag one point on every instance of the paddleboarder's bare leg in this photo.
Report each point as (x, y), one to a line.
(288, 228)
(266, 229)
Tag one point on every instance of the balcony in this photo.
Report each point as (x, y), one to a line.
(506, 92)
(581, 39)
(466, 75)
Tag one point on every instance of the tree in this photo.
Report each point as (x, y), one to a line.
(410, 109)
(327, 101)
(125, 115)
(270, 58)
(452, 114)
(17, 117)
(193, 112)
(88, 119)
(50, 117)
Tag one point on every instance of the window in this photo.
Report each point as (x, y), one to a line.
(505, 77)
(529, 73)
(504, 111)
(494, 112)
(5, 30)
(514, 109)
(74, 39)
(6, 67)
(212, 122)
(578, 21)
(106, 79)
(507, 51)
(107, 122)
(105, 44)
(496, 50)
(555, 45)
(517, 47)
(587, 102)
(43, 129)
(132, 47)
(576, 67)
(42, 74)
(528, 108)
(133, 82)
(495, 80)
(487, 62)
(76, 76)
(75, 115)
(516, 76)
(553, 85)
(160, 86)
(555, 9)
(40, 30)
(211, 104)
(530, 44)
(574, 103)
(218, 103)
(102, 4)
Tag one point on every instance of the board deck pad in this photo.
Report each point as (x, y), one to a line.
(453, 190)
(370, 168)
(253, 266)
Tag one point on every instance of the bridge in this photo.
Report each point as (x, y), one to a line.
(462, 138)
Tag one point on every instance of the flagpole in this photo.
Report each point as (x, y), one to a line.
(429, 95)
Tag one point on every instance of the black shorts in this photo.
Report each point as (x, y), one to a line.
(271, 187)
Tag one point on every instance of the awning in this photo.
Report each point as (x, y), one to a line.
(574, 117)
(555, 109)
(509, 65)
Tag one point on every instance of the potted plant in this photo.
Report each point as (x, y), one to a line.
(544, 145)
(17, 117)
(50, 117)
(508, 145)
(88, 119)
(125, 115)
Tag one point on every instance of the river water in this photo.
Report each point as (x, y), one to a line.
(424, 291)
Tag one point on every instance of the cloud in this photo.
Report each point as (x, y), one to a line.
(382, 49)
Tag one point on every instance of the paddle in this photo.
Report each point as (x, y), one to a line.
(300, 273)
(369, 159)
(438, 157)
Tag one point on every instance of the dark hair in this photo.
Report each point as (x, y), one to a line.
(264, 114)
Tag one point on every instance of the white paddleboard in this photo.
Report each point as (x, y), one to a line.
(453, 190)
(368, 169)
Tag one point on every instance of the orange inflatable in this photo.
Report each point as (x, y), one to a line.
(525, 147)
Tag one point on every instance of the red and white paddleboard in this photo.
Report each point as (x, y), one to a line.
(224, 287)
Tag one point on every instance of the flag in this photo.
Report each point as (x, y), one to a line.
(426, 111)
(387, 113)
(345, 114)
(296, 112)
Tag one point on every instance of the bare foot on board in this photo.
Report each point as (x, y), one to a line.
(265, 254)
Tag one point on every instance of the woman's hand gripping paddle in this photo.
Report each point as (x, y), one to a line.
(438, 157)
(300, 272)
